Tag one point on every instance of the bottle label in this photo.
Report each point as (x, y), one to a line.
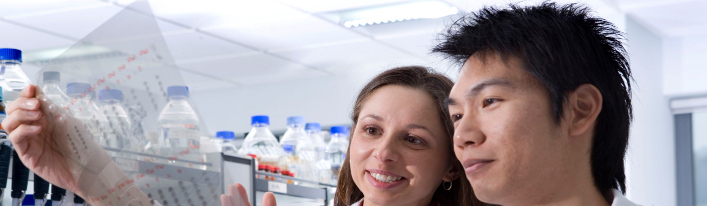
(182, 133)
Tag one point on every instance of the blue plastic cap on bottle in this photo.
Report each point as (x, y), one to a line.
(343, 130)
(297, 120)
(77, 88)
(288, 147)
(226, 135)
(177, 91)
(313, 126)
(51, 76)
(110, 94)
(10, 54)
(260, 119)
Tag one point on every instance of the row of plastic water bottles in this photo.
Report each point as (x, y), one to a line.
(301, 150)
(110, 121)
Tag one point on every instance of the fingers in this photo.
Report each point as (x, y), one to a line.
(21, 135)
(19, 117)
(226, 200)
(28, 91)
(22, 103)
(269, 199)
(238, 195)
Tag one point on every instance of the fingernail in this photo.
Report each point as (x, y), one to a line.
(33, 113)
(34, 128)
(31, 102)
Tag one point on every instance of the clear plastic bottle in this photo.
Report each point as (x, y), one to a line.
(299, 149)
(336, 149)
(117, 133)
(52, 90)
(322, 168)
(12, 79)
(224, 141)
(261, 142)
(180, 127)
(87, 111)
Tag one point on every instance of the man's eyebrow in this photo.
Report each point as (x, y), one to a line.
(488, 83)
(449, 102)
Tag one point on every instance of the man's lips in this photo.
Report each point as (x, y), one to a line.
(473, 165)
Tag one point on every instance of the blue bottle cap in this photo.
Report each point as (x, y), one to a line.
(288, 147)
(10, 54)
(173, 91)
(110, 94)
(343, 130)
(226, 135)
(51, 76)
(296, 120)
(260, 119)
(313, 126)
(77, 88)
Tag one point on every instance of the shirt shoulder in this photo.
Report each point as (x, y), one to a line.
(620, 199)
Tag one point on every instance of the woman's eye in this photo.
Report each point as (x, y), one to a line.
(490, 101)
(372, 131)
(456, 117)
(413, 139)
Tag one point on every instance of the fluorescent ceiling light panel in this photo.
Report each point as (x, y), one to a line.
(397, 12)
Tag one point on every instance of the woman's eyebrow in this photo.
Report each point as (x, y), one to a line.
(417, 126)
(373, 116)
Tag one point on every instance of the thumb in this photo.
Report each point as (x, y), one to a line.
(269, 199)
(28, 91)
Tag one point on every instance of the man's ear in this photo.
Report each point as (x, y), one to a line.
(585, 104)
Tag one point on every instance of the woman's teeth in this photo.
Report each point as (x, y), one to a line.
(385, 178)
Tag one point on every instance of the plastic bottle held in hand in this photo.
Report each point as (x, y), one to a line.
(336, 149)
(85, 109)
(224, 141)
(52, 90)
(118, 129)
(179, 127)
(261, 142)
(12, 79)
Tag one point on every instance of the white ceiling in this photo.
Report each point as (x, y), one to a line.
(219, 44)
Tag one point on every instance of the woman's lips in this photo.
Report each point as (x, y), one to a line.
(383, 179)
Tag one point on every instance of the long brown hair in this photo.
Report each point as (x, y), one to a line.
(438, 87)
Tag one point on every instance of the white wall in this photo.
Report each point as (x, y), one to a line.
(651, 155)
(685, 62)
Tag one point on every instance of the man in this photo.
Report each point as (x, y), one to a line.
(542, 105)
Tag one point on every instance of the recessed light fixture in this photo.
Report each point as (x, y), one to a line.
(396, 13)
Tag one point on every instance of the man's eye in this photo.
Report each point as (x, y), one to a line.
(456, 117)
(490, 101)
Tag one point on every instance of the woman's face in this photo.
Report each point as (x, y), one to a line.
(399, 152)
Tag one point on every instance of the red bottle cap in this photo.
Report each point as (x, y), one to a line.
(292, 174)
(253, 156)
(276, 169)
(285, 172)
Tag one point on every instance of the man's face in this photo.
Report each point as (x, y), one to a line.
(505, 133)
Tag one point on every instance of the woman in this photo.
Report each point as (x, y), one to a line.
(400, 151)
(401, 146)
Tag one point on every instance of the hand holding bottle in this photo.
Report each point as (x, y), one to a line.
(237, 196)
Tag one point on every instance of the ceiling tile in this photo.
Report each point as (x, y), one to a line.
(293, 32)
(318, 6)
(253, 69)
(208, 13)
(10, 8)
(194, 45)
(419, 44)
(22, 38)
(342, 56)
(74, 23)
